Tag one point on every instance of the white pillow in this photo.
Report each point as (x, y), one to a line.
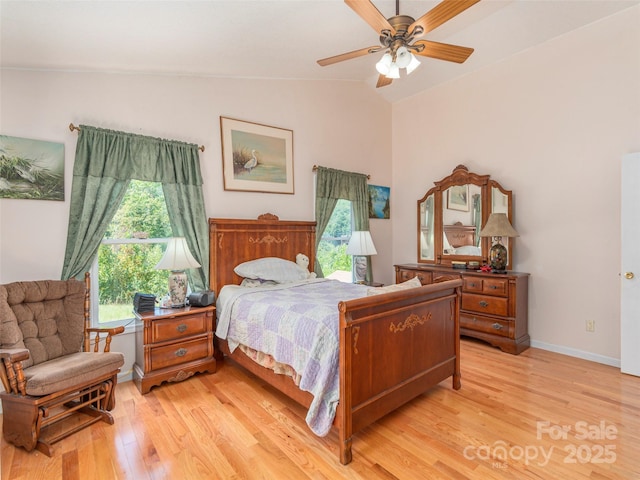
(257, 282)
(413, 283)
(272, 268)
(468, 250)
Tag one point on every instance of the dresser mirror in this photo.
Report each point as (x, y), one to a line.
(452, 214)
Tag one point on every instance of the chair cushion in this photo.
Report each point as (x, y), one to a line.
(70, 370)
(10, 333)
(50, 316)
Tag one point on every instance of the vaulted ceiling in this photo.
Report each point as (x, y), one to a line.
(269, 39)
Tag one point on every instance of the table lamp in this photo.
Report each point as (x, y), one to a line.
(498, 226)
(360, 246)
(177, 258)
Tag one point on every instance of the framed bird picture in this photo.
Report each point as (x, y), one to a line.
(256, 157)
(31, 169)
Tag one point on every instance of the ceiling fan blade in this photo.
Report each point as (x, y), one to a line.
(383, 81)
(444, 51)
(348, 56)
(441, 13)
(371, 15)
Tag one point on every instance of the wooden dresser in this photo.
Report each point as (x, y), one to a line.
(172, 344)
(494, 306)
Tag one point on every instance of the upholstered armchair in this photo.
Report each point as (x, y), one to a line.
(49, 371)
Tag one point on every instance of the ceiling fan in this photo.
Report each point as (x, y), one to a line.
(397, 35)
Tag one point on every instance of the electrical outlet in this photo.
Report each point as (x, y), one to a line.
(591, 325)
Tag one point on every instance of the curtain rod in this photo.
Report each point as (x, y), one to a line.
(72, 127)
(315, 167)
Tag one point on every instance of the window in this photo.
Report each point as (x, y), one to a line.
(332, 248)
(132, 245)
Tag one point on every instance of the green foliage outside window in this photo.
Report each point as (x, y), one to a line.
(332, 250)
(125, 268)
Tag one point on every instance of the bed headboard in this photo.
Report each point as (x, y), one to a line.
(460, 235)
(233, 241)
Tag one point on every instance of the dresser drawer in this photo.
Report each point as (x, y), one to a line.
(485, 304)
(444, 277)
(183, 352)
(479, 323)
(179, 327)
(404, 275)
(489, 286)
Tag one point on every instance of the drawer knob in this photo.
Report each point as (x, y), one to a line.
(493, 287)
(483, 304)
(497, 326)
(472, 284)
(181, 328)
(181, 352)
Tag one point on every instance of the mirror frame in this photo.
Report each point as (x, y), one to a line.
(462, 176)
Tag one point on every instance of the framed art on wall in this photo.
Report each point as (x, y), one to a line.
(31, 169)
(256, 157)
(379, 202)
(458, 198)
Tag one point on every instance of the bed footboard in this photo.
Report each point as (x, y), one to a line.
(393, 347)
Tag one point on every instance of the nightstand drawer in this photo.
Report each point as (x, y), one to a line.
(179, 327)
(479, 323)
(178, 353)
(485, 304)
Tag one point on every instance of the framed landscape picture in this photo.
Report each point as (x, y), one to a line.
(31, 169)
(255, 157)
(379, 202)
(458, 198)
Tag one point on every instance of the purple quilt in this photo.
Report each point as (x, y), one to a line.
(297, 324)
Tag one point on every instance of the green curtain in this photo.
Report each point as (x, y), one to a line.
(105, 163)
(332, 185)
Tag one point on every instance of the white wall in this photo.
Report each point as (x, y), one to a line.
(342, 125)
(551, 124)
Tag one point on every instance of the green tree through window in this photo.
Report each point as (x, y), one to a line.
(332, 249)
(133, 244)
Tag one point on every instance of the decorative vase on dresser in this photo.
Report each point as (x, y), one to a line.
(451, 216)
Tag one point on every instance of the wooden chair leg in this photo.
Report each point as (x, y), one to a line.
(20, 425)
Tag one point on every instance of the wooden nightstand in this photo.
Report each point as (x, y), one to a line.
(172, 344)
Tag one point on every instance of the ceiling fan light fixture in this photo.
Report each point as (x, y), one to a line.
(403, 57)
(384, 64)
(413, 64)
(394, 71)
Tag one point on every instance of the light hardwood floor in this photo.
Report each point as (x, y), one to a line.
(537, 415)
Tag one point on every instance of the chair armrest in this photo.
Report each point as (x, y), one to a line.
(110, 332)
(14, 354)
(11, 372)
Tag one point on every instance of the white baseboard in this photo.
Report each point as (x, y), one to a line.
(574, 352)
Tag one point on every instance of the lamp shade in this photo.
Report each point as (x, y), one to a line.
(384, 64)
(177, 256)
(394, 71)
(403, 57)
(415, 63)
(498, 226)
(361, 243)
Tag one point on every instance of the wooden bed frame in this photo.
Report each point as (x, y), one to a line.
(393, 346)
